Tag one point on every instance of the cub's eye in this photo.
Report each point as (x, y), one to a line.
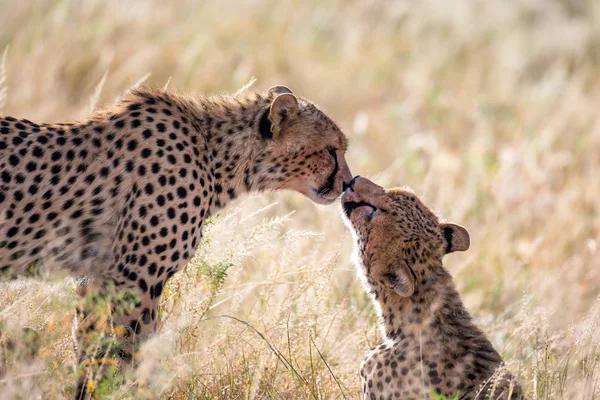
(331, 151)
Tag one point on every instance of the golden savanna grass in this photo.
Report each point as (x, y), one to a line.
(490, 109)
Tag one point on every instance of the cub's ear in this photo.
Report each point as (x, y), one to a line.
(277, 90)
(400, 279)
(457, 237)
(284, 109)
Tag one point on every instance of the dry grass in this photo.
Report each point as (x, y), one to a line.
(489, 108)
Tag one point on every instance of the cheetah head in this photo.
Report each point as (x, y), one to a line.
(396, 234)
(305, 147)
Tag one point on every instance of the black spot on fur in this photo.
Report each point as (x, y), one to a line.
(264, 127)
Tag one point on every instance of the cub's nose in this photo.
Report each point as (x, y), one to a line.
(350, 184)
(366, 188)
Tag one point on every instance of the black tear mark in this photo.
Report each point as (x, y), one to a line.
(448, 237)
(327, 187)
(264, 127)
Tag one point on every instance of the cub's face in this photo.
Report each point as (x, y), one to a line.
(396, 234)
(307, 149)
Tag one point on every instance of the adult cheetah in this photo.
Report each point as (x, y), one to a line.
(121, 197)
(431, 344)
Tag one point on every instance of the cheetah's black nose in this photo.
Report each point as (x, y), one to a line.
(351, 183)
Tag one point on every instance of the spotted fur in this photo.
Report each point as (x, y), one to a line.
(121, 198)
(430, 341)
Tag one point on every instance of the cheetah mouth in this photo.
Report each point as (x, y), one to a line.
(350, 206)
(325, 198)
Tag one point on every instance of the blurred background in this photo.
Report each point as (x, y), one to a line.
(489, 109)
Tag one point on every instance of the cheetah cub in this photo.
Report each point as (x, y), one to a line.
(431, 345)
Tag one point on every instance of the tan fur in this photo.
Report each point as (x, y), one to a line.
(121, 197)
(430, 342)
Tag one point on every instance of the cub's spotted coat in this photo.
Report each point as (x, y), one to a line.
(121, 197)
(431, 343)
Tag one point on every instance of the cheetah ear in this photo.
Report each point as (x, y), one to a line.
(277, 90)
(401, 279)
(457, 237)
(283, 110)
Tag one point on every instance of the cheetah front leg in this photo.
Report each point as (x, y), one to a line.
(156, 237)
(104, 345)
(113, 323)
